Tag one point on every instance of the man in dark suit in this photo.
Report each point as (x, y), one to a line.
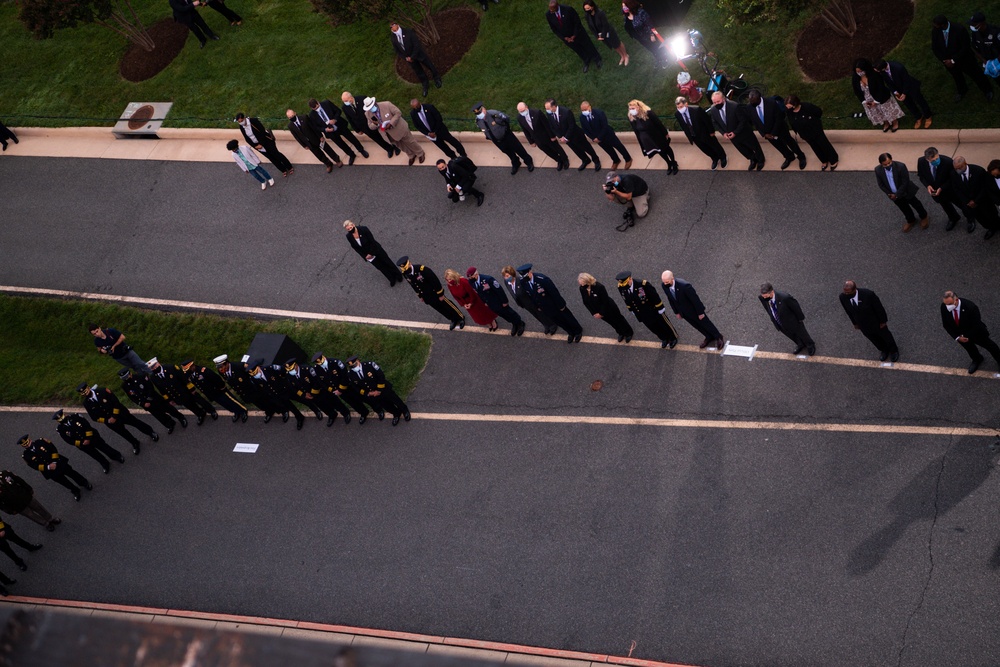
(700, 131)
(867, 315)
(262, 139)
(546, 297)
(325, 118)
(893, 179)
(538, 132)
(308, 137)
(961, 319)
(460, 179)
(730, 120)
(408, 46)
(971, 186)
(186, 13)
(489, 290)
(359, 123)
(363, 242)
(595, 125)
(787, 317)
(906, 88)
(427, 119)
(768, 118)
(950, 44)
(934, 172)
(685, 303)
(5, 134)
(496, 126)
(644, 302)
(566, 25)
(565, 129)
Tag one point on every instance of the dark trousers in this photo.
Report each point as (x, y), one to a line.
(748, 146)
(583, 149)
(823, 149)
(908, 205)
(514, 150)
(985, 213)
(164, 413)
(124, 421)
(618, 323)
(447, 308)
(787, 146)
(565, 319)
(6, 134)
(220, 6)
(711, 147)
(60, 475)
(388, 401)
(509, 314)
(613, 146)
(285, 405)
(326, 148)
(388, 268)
(947, 204)
(548, 324)
(98, 449)
(667, 154)
(797, 334)
(196, 404)
(443, 137)
(331, 404)
(277, 158)
(37, 513)
(418, 69)
(198, 27)
(984, 342)
(585, 49)
(454, 194)
(355, 401)
(554, 151)
(228, 402)
(341, 137)
(881, 338)
(11, 536)
(969, 65)
(704, 326)
(917, 104)
(376, 137)
(659, 325)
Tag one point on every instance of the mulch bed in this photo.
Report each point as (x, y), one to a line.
(138, 64)
(459, 28)
(826, 56)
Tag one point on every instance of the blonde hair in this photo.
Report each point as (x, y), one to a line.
(642, 106)
(348, 222)
(452, 274)
(586, 279)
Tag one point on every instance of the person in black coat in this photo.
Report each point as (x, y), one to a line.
(308, 137)
(971, 186)
(408, 47)
(866, 313)
(7, 134)
(934, 172)
(546, 297)
(876, 99)
(41, 455)
(518, 292)
(427, 120)
(594, 123)
(359, 123)
(186, 13)
(565, 23)
(104, 407)
(962, 321)
(787, 317)
(489, 290)
(363, 242)
(643, 301)
(326, 119)
(602, 307)
(906, 88)
(597, 21)
(807, 121)
(686, 305)
(652, 136)
(768, 118)
(428, 288)
(993, 182)
(731, 121)
(538, 131)
(893, 179)
(77, 431)
(460, 179)
(950, 44)
(698, 129)
(262, 139)
(564, 128)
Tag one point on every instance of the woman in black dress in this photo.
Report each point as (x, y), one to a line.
(652, 135)
(806, 120)
(595, 298)
(597, 20)
(639, 25)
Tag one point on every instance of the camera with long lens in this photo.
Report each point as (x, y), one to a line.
(609, 188)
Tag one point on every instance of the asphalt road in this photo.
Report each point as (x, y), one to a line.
(704, 546)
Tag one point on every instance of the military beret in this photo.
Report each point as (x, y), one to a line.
(124, 373)
(59, 416)
(623, 276)
(82, 388)
(471, 271)
(524, 268)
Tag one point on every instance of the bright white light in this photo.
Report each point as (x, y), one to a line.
(679, 46)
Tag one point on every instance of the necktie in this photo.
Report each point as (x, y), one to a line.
(530, 125)
(965, 175)
(933, 172)
(322, 114)
(760, 111)
(556, 114)
(687, 118)
(723, 112)
(955, 313)
(400, 37)
(559, 18)
(774, 311)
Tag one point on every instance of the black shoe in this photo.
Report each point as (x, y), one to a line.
(267, 418)
(989, 234)
(395, 420)
(787, 163)
(753, 165)
(319, 415)
(362, 419)
(672, 344)
(76, 496)
(513, 170)
(437, 82)
(215, 415)
(600, 63)
(453, 325)
(971, 227)
(673, 169)
(715, 163)
(883, 356)
(396, 150)
(299, 422)
(88, 486)
(284, 417)
(364, 153)
(798, 349)
(136, 450)
(461, 324)
(200, 47)
(811, 350)
(723, 162)
(894, 357)
(236, 417)
(200, 420)
(760, 165)
(520, 328)
(351, 159)
(802, 162)
(120, 459)
(958, 97)
(155, 437)
(586, 68)
(33, 547)
(347, 418)
(214, 38)
(330, 420)
(170, 429)
(390, 153)
(569, 338)
(621, 338)
(974, 366)
(184, 422)
(531, 167)
(951, 225)
(406, 415)
(583, 166)
(513, 331)
(664, 343)
(577, 338)
(106, 470)
(22, 566)
(479, 199)
(559, 166)
(427, 89)
(989, 96)
(597, 166)
(381, 415)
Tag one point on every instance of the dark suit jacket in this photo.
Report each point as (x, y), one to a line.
(571, 26)
(596, 127)
(540, 131)
(900, 177)
(958, 46)
(411, 46)
(970, 324)
(369, 246)
(598, 302)
(942, 175)
(774, 118)
(736, 119)
(544, 294)
(877, 86)
(332, 111)
(262, 134)
(184, 11)
(434, 120)
(976, 189)
(489, 290)
(566, 125)
(457, 175)
(790, 315)
(701, 125)
(898, 79)
(356, 115)
(304, 132)
(686, 303)
(868, 314)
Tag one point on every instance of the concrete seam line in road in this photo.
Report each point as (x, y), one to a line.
(410, 324)
(345, 629)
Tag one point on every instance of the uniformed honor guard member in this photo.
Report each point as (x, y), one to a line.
(298, 388)
(645, 303)
(546, 297)
(77, 431)
(7, 535)
(142, 391)
(324, 395)
(428, 288)
(43, 456)
(328, 374)
(264, 376)
(104, 407)
(209, 383)
(17, 497)
(239, 381)
(176, 387)
(492, 294)
(370, 382)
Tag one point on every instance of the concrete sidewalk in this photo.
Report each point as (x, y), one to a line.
(858, 149)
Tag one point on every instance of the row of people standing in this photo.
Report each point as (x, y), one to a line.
(565, 23)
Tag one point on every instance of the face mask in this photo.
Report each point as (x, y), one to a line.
(682, 108)
(951, 308)
(859, 72)
(524, 113)
(936, 161)
(398, 32)
(586, 113)
(973, 28)
(481, 116)
(633, 112)
(548, 111)
(719, 105)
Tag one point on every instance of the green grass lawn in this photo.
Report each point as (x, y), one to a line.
(285, 53)
(47, 350)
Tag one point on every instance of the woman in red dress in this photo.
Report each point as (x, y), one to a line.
(465, 294)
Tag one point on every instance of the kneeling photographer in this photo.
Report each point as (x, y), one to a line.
(630, 191)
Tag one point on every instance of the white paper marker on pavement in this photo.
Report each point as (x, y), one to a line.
(246, 447)
(731, 350)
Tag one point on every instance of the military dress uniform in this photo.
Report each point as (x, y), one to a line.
(546, 297)
(240, 383)
(489, 290)
(104, 407)
(77, 431)
(645, 303)
(214, 387)
(428, 288)
(40, 454)
(141, 390)
(367, 379)
(17, 497)
(175, 386)
(296, 386)
(316, 389)
(7, 535)
(329, 376)
(276, 389)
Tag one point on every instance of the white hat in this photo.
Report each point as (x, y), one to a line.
(369, 103)
(152, 362)
(221, 359)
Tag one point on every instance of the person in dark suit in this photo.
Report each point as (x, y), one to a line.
(221, 7)
(408, 47)
(698, 129)
(787, 317)
(685, 303)
(538, 132)
(262, 139)
(7, 134)
(517, 290)
(962, 321)
(546, 297)
(326, 119)
(644, 302)
(428, 288)
(566, 25)
(950, 44)
(934, 172)
(971, 186)
(602, 307)
(496, 126)
(893, 179)
(807, 121)
(906, 88)
(359, 123)
(866, 313)
(730, 120)
(598, 23)
(460, 179)
(594, 123)
(491, 293)
(993, 182)
(427, 119)
(768, 118)
(186, 13)
(565, 129)
(363, 242)
(308, 137)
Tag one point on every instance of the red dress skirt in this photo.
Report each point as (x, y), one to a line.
(466, 295)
